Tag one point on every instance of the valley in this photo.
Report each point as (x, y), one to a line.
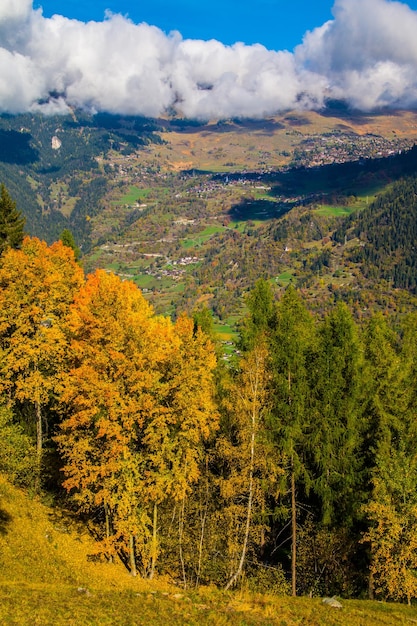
(195, 220)
(194, 213)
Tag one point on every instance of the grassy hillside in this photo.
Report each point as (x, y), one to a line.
(48, 578)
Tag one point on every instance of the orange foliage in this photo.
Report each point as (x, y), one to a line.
(37, 285)
(139, 403)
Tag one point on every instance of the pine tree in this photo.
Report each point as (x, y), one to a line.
(260, 321)
(335, 427)
(292, 341)
(12, 222)
(383, 384)
(68, 240)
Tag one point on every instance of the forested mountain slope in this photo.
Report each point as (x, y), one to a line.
(387, 234)
(51, 166)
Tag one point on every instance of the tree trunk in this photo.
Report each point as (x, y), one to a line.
(132, 557)
(154, 540)
(293, 533)
(239, 570)
(181, 534)
(293, 513)
(371, 594)
(203, 528)
(39, 442)
(108, 524)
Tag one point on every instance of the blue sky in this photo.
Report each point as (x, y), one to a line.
(277, 24)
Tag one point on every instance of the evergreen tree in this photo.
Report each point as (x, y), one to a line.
(260, 321)
(68, 240)
(12, 222)
(383, 384)
(292, 342)
(335, 427)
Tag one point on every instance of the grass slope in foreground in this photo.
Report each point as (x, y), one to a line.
(47, 579)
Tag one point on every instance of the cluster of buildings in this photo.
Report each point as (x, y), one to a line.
(331, 148)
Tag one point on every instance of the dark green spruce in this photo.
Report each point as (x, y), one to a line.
(12, 223)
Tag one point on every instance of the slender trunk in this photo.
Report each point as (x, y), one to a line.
(293, 533)
(293, 512)
(39, 441)
(181, 534)
(37, 484)
(154, 540)
(108, 524)
(263, 539)
(132, 557)
(239, 570)
(203, 527)
(371, 594)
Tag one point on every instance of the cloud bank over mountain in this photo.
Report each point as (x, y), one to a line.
(366, 55)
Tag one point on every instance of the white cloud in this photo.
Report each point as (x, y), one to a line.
(367, 55)
(15, 10)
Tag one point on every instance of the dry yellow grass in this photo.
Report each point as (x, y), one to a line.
(251, 144)
(47, 580)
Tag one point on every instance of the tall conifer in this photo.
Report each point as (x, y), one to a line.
(12, 223)
(291, 347)
(335, 426)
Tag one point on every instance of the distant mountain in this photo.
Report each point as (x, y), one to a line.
(51, 166)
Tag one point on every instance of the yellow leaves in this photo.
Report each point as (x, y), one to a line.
(37, 284)
(393, 531)
(140, 391)
(394, 551)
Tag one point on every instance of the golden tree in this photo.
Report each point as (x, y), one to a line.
(37, 285)
(393, 530)
(128, 431)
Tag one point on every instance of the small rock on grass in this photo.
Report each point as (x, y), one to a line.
(333, 602)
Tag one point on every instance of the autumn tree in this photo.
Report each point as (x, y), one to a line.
(104, 396)
(251, 468)
(185, 418)
(37, 285)
(138, 397)
(392, 513)
(392, 508)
